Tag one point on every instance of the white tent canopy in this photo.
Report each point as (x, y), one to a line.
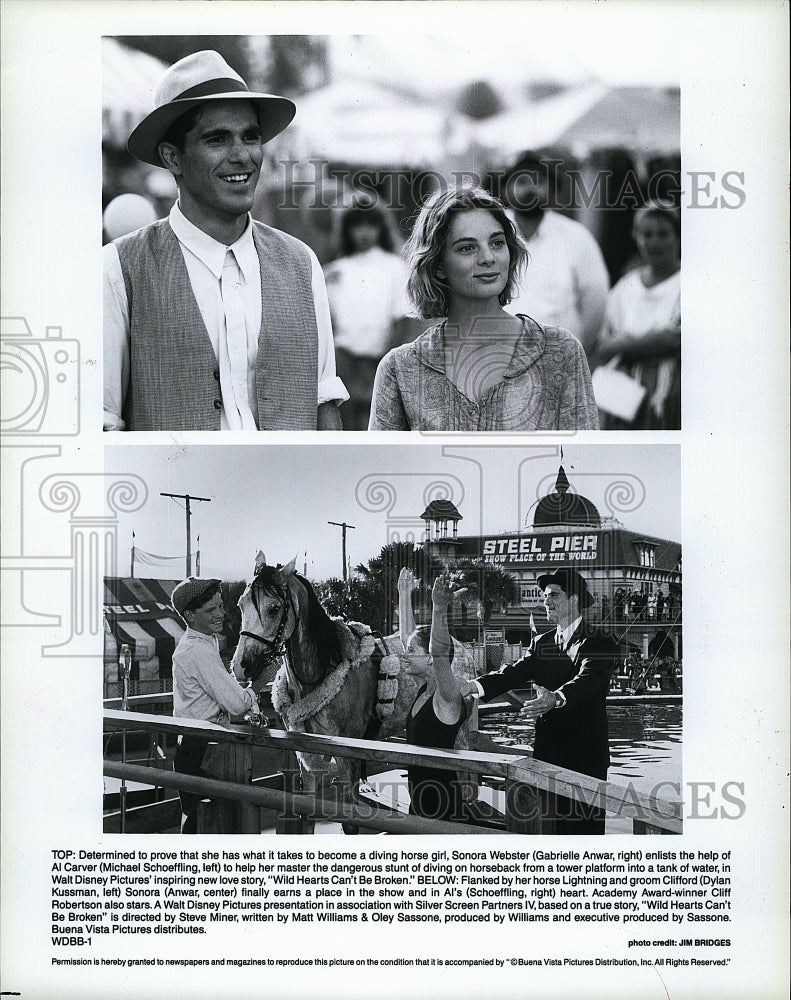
(128, 81)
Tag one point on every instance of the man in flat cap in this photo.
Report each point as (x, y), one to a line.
(569, 668)
(213, 321)
(204, 689)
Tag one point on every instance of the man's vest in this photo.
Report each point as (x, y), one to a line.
(174, 381)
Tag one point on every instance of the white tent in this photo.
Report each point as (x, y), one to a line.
(372, 125)
(128, 81)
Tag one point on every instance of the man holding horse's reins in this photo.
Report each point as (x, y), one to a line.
(212, 320)
(202, 686)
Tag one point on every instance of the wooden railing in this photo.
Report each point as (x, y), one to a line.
(522, 779)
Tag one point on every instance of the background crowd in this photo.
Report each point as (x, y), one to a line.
(600, 264)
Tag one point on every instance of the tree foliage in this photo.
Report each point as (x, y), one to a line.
(371, 596)
(478, 100)
(282, 64)
(297, 63)
(487, 583)
(170, 48)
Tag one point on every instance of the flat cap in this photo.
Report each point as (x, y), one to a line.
(188, 590)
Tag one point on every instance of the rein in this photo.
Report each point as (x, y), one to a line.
(277, 648)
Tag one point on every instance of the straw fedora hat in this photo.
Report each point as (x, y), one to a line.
(193, 80)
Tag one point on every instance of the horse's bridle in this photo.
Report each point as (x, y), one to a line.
(277, 648)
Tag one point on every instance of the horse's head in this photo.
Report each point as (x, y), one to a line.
(281, 615)
(270, 611)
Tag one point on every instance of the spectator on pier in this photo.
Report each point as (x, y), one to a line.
(566, 282)
(569, 669)
(366, 286)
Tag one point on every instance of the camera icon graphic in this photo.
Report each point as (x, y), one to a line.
(40, 381)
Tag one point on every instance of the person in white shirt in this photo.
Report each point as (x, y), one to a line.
(203, 688)
(366, 285)
(641, 334)
(213, 321)
(566, 281)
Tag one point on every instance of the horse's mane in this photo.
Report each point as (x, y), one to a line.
(323, 628)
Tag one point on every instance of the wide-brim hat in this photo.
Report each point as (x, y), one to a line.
(570, 582)
(189, 590)
(195, 79)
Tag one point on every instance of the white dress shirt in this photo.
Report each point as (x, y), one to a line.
(202, 686)
(367, 293)
(566, 281)
(226, 282)
(562, 636)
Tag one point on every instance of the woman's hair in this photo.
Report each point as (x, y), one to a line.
(658, 210)
(418, 642)
(424, 248)
(364, 215)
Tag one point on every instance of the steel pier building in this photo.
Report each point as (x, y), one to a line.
(634, 577)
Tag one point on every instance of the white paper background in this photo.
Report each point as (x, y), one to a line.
(734, 63)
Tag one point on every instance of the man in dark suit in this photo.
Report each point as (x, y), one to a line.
(569, 668)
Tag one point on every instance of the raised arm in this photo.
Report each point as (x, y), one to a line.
(448, 702)
(406, 619)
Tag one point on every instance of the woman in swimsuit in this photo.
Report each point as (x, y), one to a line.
(438, 710)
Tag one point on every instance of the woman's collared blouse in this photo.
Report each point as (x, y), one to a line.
(546, 386)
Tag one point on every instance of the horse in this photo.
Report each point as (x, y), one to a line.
(331, 676)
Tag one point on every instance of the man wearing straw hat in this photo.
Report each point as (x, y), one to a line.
(569, 668)
(203, 689)
(213, 321)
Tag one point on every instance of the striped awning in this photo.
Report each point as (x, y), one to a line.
(139, 612)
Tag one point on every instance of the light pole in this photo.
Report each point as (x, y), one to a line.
(186, 497)
(343, 526)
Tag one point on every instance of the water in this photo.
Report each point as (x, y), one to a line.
(645, 746)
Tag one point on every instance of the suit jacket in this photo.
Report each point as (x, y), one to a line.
(574, 736)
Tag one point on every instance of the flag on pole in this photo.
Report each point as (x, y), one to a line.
(152, 559)
(197, 559)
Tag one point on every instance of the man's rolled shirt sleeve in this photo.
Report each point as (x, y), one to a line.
(330, 387)
(116, 340)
